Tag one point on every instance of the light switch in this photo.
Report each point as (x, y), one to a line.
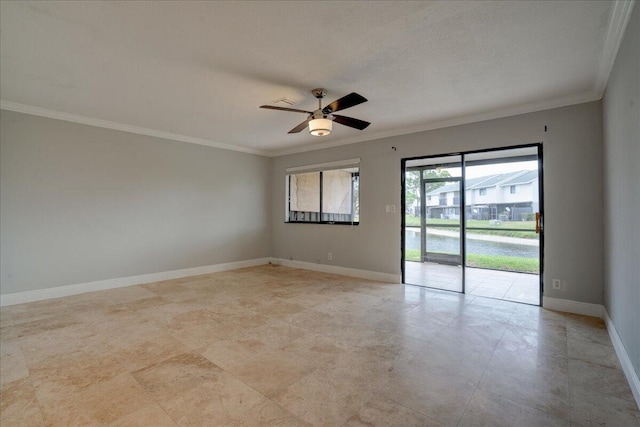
(387, 208)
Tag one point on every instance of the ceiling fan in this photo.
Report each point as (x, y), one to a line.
(320, 121)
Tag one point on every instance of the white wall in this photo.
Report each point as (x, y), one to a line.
(621, 122)
(80, 204)
(572, 183)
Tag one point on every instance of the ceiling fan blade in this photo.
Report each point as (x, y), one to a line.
(345, 102)
(351, 122)
(271, 107)
(300, 126)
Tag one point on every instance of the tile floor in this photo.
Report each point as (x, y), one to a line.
(277, 346)
(504, 285)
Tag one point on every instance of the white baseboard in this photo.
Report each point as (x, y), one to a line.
(101, 285)
(623, 356)
(569, 306)
(344, 271)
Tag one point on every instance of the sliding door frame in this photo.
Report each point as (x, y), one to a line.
(463, 163)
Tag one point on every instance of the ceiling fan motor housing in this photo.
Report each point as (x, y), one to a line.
(319, 93)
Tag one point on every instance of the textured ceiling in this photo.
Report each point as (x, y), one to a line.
(199, 70)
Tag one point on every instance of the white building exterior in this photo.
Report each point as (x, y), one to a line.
(508, 196)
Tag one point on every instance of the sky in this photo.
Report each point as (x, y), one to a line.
(476, 171)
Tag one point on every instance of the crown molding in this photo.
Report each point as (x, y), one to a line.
(457, 121)
(618, 21)
(615, 33)
(74, 118)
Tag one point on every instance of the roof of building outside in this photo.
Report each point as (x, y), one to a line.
(522, 179)
(510, 178)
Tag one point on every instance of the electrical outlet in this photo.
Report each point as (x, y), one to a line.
(557, 284)
(329, 256)
(393, 208)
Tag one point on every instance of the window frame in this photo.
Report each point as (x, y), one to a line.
(355, 175)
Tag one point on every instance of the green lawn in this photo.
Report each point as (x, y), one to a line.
(494, 262)
(530, 226)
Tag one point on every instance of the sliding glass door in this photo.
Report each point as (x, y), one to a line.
(502, 214)
(433, 244)
(472, 223)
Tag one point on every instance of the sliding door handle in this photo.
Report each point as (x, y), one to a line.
(538, 228)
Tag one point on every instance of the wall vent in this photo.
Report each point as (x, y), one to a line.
(283, 102)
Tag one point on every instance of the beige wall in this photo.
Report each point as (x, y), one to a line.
(572, 184)
(80, 203)
(621, 120)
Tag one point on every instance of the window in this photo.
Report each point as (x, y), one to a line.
(483, 191)
(512, 189)
(326, 196)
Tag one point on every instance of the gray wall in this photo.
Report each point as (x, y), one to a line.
(621, 123)
(80, 203)
(573, 196)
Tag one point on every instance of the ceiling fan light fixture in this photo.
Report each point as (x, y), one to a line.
(320, 127)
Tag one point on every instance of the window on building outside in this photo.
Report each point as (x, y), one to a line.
(512, 189)
(483, 191)
(328, 196)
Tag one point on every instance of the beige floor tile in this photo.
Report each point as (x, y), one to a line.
(587, 328)
(410, 328)
(545, 339)
(138, 346)
(383, 412)
(220, 401)
(48, 324)
(69, 373)
(536, 317)
(163, 315)
(19, 405)
(585, 376)
(268, 414)
(197, 328)
(6, 316)
(440, 397)
(590, 408)
(102, 403)
(275, 332)
(231, 352)
(273, 345)
(591, 351)
(324, 398)
(460, 359)
(12, 364)
(531, 377)
(398, 345)
(272, 371)
(171, 377)
(363, 368)
(39, 310)
(278, 308)
(132, 306)
(486, 409)
(8, 332)
(151, 415)
(119, 295)
(38, 347)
